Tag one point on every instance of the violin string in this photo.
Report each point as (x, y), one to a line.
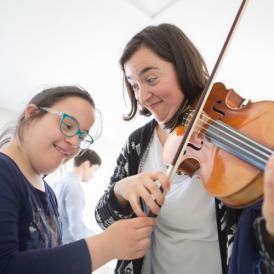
(240, 138)
(240, 151)
(253, 152)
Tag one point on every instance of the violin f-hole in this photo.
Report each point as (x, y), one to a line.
(216, 109)
(195, 147)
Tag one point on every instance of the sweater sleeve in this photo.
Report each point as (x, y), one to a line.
(266, 246)
(67, 259)
(108, 210)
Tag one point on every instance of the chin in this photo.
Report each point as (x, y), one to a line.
(162, 122)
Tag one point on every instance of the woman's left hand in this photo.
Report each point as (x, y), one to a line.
(268, 203)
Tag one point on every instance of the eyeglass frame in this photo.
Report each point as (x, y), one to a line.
(79, 132)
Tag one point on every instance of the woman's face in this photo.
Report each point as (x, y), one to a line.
(155, 84)
(46, 147)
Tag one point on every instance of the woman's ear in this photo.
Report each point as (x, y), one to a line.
(30, 110)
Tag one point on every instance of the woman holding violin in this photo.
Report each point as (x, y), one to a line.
(195, 233)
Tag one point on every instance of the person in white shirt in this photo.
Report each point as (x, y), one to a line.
(71, 196)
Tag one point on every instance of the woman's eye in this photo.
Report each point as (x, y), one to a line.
(151, 80)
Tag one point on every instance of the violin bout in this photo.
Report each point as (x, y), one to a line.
(229, 148)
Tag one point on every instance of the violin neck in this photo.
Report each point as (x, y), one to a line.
(237, 144)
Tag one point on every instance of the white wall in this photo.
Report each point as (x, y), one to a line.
(6, 117)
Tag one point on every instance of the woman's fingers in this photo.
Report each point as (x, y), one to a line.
(148, 186)
(135, 205)
(161, 181)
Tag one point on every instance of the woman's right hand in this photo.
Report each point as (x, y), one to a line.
(145, 186)
(125, 239)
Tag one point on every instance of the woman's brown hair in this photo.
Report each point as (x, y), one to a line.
(170, 43)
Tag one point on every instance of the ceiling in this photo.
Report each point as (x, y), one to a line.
(153, 8)
(46, 43)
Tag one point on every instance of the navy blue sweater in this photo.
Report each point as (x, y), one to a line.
(30, 229)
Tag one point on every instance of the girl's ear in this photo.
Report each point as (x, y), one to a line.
(30, 110)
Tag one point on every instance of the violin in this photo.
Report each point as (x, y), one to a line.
(231, 143)
(224, 140)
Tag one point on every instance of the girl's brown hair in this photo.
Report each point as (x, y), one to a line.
(45, 98)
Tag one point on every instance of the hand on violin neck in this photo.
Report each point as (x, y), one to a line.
(149, 187)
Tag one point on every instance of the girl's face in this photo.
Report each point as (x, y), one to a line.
(155, 84)
(46, 147)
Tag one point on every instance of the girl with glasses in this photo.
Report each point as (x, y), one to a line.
(52, 129)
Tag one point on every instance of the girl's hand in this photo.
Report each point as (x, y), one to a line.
(125, 240)
(130, 238)
(145, 186)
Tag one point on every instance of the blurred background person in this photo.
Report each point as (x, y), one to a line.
(71, 197)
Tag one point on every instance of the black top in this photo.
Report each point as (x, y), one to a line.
(30, 229)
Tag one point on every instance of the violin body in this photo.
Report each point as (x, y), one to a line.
(229, 148)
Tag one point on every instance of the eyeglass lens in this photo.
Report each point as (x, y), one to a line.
(70, 128)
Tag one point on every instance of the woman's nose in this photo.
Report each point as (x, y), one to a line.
(144, 94)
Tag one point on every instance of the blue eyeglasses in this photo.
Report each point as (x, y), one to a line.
(69, 127)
